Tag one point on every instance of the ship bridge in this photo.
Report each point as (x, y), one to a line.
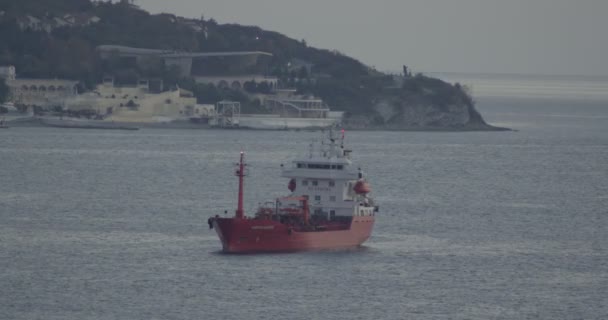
(327, 177)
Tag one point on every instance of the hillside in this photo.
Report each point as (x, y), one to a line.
(39, 42)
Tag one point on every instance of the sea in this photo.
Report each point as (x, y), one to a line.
(103, 224)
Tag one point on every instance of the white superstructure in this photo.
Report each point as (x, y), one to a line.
(329, 178)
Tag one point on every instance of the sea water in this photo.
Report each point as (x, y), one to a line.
(101, 224)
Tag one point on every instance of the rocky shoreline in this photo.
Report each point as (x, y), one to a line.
(470, 128)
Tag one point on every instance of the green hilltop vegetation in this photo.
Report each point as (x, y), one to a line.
(370, 98)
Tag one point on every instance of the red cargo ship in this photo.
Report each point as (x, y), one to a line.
(329, 207)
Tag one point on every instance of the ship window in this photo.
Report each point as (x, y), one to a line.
(304, 182)
(317, 198)
(332, 198)
(332, 214)
(315, 183)
(340, 167)
(332, 183)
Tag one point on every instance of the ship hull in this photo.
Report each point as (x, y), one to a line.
(279, 123)
(253, 236)
(84, 124)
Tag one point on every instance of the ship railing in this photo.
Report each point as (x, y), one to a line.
(273, 211)
(273, 103)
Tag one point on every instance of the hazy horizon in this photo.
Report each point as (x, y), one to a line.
(546, 37)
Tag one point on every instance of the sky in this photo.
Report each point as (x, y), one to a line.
(553, 37)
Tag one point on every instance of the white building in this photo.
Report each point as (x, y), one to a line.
(8, 73)
(46, 93)
(48, 24)
(138, 104)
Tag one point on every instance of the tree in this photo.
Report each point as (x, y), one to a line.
(264, 87)
(4, 91)
(132, 104)
(250, 86)
(303, 73)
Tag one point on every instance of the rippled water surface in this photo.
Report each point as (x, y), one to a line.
(509, 225)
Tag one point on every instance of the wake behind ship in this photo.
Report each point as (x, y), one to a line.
(329, 207)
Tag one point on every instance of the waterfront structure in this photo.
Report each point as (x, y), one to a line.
(287, 110)
(287, 103)
(231, 69)
(45, 93)
(137, 104)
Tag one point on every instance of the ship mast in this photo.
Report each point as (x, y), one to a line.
(240, 172)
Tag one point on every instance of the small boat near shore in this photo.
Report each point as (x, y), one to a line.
(84, 124)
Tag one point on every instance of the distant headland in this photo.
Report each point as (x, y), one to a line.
(116, 62)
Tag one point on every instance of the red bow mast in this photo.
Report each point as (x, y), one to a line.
(240, 172)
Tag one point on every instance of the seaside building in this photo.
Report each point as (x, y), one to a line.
(137, 104)
(223, 69)
(45, 93)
